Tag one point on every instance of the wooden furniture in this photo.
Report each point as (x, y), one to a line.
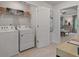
(67, 50)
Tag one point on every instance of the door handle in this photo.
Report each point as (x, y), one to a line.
(22, 35)
(37, 41)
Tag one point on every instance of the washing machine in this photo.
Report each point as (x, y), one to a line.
(26, 38)
(8, 41)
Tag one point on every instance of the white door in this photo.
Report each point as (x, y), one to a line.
(43, 26)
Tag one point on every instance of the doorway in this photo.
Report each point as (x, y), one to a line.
(68, 23)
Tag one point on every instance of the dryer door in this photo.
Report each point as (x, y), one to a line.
(26, 40)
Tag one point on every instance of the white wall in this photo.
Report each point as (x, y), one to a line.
(14, 20)
(23, 20)
(33, 16)
(6, 19)
(56, 14)
(55, 35)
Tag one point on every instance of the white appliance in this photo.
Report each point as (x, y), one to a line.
(8, 41)
(26, 36)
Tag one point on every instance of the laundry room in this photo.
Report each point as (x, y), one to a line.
(16, 28)
(39, 28)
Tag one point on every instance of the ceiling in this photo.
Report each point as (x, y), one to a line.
(73, 7)
(53, 3)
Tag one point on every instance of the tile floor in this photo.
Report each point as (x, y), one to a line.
(49, 51)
